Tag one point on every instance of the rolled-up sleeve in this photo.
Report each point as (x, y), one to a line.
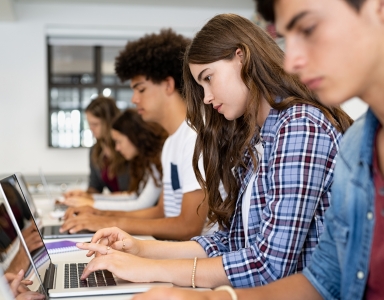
(215, 244)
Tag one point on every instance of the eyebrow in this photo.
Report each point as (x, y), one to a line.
(201, 74)
(136, 85)
(295, 19)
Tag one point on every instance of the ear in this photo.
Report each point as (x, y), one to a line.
(381, 9)
(239, 54)
(169, 85)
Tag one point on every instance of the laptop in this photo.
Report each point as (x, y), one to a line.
(13, 258)
(25, 198)
(62, 279)
(58, 206)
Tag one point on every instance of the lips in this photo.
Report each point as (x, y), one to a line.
(217, 107)
(313, 83)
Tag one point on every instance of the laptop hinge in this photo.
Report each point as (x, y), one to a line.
(49, 277)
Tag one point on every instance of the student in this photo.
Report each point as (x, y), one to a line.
(336, 48)
(239, 98)
(153, 64)
(140, 143)
(107, 167)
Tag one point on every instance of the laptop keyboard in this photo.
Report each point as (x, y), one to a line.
(72, 274)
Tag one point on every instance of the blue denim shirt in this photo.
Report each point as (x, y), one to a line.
(340, 264)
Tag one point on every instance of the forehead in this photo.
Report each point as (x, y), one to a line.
(287, 10)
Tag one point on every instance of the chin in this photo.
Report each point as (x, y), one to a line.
(332, 98)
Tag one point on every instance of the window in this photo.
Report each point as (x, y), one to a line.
(76, 75)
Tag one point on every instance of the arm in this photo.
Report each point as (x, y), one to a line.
(299, 174)
(147, 198)
(294, 287)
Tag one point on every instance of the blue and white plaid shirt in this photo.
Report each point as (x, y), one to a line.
(289, 197)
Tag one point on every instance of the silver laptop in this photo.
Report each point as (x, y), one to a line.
(25, 198)
(62, 279)
(13, 258)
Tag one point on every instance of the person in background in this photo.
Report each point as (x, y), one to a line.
(153, 64)
(266, 139)
(336, 48)
(141, 144)
(18, 286)
(108, 168)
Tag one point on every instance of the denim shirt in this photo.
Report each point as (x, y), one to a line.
(340, 264)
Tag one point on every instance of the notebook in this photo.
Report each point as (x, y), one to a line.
(62, 279)
(25, 198)
(61, 246)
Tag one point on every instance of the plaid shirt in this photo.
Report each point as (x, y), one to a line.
(289, 197)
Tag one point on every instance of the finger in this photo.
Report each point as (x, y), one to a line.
(104, 233)
(68, 213)
(32, 296)
(16, 282)
(27, 282)
(22, 288)
(103, 249)
(99, 263)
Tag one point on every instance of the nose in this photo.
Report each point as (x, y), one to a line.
(295, 58)
(208, 97)
(135, 98)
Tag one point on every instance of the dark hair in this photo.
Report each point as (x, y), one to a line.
(148, 138)
(265, 8)
(105, 109)
(222, 143)
(156, 56)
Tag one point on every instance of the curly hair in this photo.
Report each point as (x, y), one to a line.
(221, 142)
(265, 8)
(148, 138)
(156, 56)
(105, 109)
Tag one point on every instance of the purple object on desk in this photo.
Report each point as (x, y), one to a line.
(61, 247)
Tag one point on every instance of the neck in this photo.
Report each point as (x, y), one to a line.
(174, 113)
(263, 113)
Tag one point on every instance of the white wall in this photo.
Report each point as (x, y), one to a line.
(23, 75)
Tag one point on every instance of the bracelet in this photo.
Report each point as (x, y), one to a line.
(229, 289)
(194, 272)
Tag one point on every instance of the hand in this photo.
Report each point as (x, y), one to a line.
(16, 282)
(78, 201)
(76, 211)
(32, 237)
(122, 265)
(76, 193)
(86, 221)
(30, 296)
(117, 239)
(163, 293)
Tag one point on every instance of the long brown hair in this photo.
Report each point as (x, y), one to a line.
(222, 143)
(148, 138)
(105, 109)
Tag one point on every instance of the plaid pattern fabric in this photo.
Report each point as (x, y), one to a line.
(289, 197)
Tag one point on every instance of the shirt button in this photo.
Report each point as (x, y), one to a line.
(360, 275)
(369, 216)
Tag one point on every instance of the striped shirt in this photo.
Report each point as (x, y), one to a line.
(289, 197)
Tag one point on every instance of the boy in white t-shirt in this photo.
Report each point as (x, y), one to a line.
(153, 64)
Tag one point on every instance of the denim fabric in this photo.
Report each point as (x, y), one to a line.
(340, 264)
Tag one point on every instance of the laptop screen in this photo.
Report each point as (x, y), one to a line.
(13, 256)
(27, 226)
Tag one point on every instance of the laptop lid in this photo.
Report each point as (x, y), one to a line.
(13, 256)
(27, 196)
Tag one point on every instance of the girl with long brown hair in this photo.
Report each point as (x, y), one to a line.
(268, 148)
(108, 168)
(140, 143)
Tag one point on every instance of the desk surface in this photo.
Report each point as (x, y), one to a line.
(45, 207)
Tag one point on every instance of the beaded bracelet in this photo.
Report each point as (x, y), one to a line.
(229, 289)
(194, 272)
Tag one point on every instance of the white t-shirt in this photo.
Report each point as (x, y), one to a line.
(148, 196)
(178, 175)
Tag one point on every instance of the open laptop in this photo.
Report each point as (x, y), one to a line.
(25, 198)
(63, 278)
(13, 257)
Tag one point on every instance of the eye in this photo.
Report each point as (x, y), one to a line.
(141, 91)
(308, 30)
(208, 78)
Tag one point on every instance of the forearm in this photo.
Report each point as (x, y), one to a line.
(170, 250)
(147, 213)
(295, 287)
(209, 272)
(175, 228)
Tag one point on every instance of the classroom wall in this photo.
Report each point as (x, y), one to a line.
(23, 75)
